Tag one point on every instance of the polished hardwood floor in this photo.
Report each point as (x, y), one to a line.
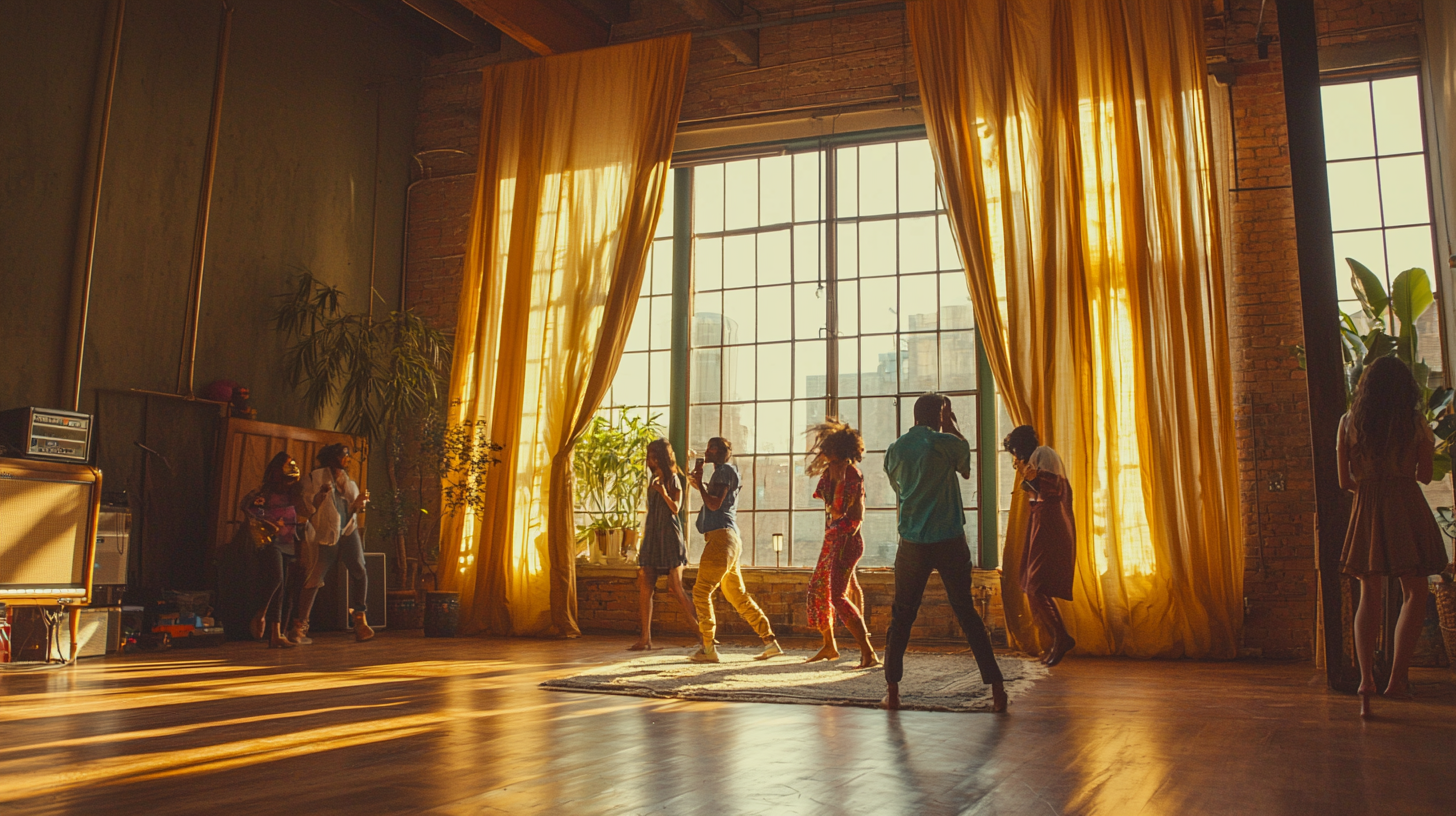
(405, 724)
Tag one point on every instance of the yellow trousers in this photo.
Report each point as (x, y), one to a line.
(719, 567)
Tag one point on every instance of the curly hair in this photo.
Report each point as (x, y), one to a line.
(1021, 442)
(833, 440)
(1386, 405)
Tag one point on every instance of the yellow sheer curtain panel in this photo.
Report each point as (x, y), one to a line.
(1072, 143)
(573, 165)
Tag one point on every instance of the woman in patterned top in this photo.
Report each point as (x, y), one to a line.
(280, 505)
(833, 587)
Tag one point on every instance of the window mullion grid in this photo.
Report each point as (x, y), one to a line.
(1379, 187)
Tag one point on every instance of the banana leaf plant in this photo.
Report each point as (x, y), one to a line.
(1390, 330)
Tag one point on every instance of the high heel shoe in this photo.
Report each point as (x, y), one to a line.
(1366, 712)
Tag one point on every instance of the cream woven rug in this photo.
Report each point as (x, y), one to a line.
(932, 682)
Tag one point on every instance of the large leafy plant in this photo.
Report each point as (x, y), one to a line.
(1390, 330)
(379, 374)
(609, 466)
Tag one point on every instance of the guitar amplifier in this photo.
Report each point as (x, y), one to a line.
(46, 433)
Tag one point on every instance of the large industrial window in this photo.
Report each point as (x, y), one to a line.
(825, 282)
(1379, 191)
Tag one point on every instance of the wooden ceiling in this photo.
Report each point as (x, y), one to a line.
(543, 26)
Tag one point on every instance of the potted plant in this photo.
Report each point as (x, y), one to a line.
(609, 466)
(441, 467)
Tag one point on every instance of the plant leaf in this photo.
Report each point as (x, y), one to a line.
(1440, 400)
(1378, 344)
(1440, 466)
(1410, 298)
(1370, 291)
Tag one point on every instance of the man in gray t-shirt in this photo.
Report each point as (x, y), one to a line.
(718, 522)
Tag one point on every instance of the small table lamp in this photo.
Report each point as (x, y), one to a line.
(778, 545)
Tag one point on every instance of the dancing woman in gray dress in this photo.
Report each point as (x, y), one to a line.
(663, 550)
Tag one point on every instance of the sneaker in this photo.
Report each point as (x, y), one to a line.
(705, 655)
(773, 649)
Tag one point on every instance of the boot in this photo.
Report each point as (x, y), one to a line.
(257, 627)
(276, 640)
(362, 631)
(298, 633)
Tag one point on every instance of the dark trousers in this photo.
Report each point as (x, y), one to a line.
(350, 550)
(275, 568)
(913, 565)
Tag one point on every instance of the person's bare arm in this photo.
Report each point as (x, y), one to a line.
(712, 494)
(949, 424)
(668, 494)
(1342, 459)
(1425, 452)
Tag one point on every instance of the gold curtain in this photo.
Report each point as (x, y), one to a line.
(1071, 139)
(573, 165)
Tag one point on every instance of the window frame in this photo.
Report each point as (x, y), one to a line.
(983, 500)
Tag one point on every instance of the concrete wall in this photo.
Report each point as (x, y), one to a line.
(294, 185)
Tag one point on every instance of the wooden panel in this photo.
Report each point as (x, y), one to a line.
(248, 445)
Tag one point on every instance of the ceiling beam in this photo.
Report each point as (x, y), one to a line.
(419, 32)
(544, 26)
(711, 14)
(609, 12)
(450, 16)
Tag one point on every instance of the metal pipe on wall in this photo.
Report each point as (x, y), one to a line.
(378, 89)
(187, 364)
(81, 288)
(404, 241)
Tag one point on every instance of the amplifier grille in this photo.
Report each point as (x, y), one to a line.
(43, 531)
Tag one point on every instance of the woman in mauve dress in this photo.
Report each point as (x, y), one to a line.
(663, 550)
(1384, 448)
(1050, 559)
(833, 587)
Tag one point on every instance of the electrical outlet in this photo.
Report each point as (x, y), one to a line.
(1276, 482)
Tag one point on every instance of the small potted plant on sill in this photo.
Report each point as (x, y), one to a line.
(609, 464)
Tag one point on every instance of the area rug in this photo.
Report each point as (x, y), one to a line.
(932, 682)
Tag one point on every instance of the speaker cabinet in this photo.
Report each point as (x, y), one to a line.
(48, 517)
(113, 541)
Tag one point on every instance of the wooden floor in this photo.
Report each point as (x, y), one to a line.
(406, 724)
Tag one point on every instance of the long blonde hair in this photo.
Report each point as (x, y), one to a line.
(833, 439)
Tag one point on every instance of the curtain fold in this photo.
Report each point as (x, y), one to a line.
(1072, 143)
(573, 166)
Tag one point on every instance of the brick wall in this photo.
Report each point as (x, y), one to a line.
(859, 61)
(607, 601)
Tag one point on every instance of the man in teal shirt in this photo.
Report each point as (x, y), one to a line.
(923, 466)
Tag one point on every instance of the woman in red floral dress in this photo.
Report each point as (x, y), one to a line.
(833, 587)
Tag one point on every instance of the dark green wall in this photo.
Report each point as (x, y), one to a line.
(293, 187)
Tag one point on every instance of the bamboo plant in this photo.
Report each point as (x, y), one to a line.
(609, 466)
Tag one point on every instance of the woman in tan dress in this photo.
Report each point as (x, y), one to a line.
(1049, 561)
(1384, 449)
